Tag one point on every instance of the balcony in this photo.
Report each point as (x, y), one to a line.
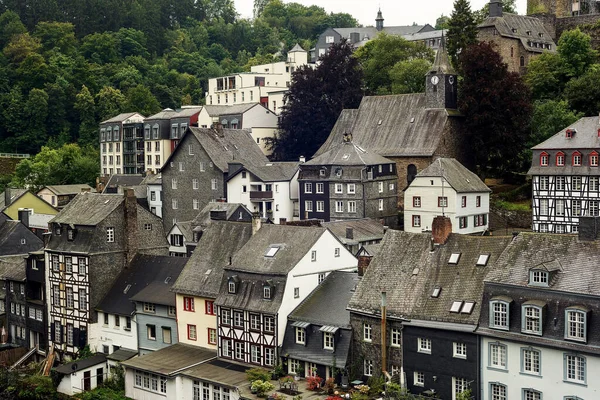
(263, 195)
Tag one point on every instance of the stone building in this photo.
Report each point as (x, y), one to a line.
(348, 182)
(196, 173)
(92, 239)
(412, 130)
(518, 38)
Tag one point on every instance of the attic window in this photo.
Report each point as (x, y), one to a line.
(528, 33)
(482, 260)
(338, 172)
(456, 306)
(467, 308)
(208, 271)
(126, 289)
(541, 34)
(539, 278)
(412, 120)
(569, 133)
(232, 285)
(454, 258)
(322, 171)
(436, 292)
(272, 251)
(267, 292)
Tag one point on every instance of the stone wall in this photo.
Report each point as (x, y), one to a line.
(585, 23)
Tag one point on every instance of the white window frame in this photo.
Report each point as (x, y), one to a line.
(351, 188)
(459, 350)
(367, 332)
(320, 188)
(531, 319)
(531, 361)
(419, 379)
(300, 335)
(396, 337)
(424, 345)
(496, 314)
(339, 206)
(497, 356)
(320, 206)
(575, 368)
(576, 325)
(307, 187)
(110, 234)
(352, 207)
(328, 340)
(339, 188)
(308, 206)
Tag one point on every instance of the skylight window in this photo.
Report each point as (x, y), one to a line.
(345, 156)
(456, 306)
(467, 308)
(271, 251)
(482, 260)
(436, 292)
(454, 258)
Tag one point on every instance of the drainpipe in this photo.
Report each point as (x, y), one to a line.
(383, 333)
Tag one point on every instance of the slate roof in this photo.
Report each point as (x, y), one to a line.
(78, 365)
(15, 194)
(249, 295)
(442, 64)
(522, 24)
(122, 180)
(122, 354)
(342, 125)
(170, 360)
(457, 175)
(576, 262)
(272, 171)
(203, 271)
(408, 272)
(152, 179)
(11, 233)
(119, 118)
(203, 218)
(297, 48)
(143, 271)
(294, 243)
(61, 190)
(585, 138)
(382, 125)
(88, 209)
(167, 113)
(13, 267)
(230, 145)
(372, 32)
(218, 110)
(348, 153)
(222, 373)
(364, 229)
(187, 112)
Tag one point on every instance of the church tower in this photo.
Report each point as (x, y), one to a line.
(379, 21)
(441, 81)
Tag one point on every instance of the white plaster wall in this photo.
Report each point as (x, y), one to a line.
(111, 335)
(259, 117)
(73, 384)
(551, 382)
(47, 195)
(309, 271)
(136, 393)
(282, 201)
(199, 318)
(176, 249)
(155, 203)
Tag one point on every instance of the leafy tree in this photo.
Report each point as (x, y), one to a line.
(583, 93)
(545, 76)
(462, 30)
(10, 25)
(378, 56)
(442, 22)
(86, 109)
(141, 99)
(575, 50)
(109, 103)
(315, 100)
(21, 46)
(497, 109)
(548, 118)
(56, 36)
(409, 76)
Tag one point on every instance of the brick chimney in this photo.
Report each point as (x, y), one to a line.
(363, 263)
(131, 225)
(441, 228)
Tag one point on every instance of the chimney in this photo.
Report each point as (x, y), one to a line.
(302, 159)
(7, 197)
(495, 8)
(441, 228)
(349, 233)
(347, 137)
(363, 263)
(131, 228)
(256, 222)
(589, 228)
(24, 216)
(85, 190)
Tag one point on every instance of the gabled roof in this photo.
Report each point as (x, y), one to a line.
(218, 110)
(78, 365)
(348, 153)
(297, 48)
(152, 179)
(123, 180)
(172, 359)
(575, 262)
(408, 272)
(88, 209)
(280, 171)
(61, 190)
(585, 137)
(395, 125)
(294, 243)
(204, 218)
(457, 175)
(185, 228)
(203, 272)
(187, 112)
(121, 117)
(363, 229)
(167, 113)
(11, 234)
(15, 194)
(517, 27)
(13, 267)
(229, 145)
(152, 275)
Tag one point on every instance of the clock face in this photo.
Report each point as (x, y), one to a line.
(435, 80)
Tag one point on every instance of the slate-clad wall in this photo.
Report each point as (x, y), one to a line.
(440, 363)
(15, 297)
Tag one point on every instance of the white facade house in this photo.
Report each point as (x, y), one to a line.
(107, 335)
(153, 184)
(270, 189)
(257, 85)
(111, 142)
(82, 375)
(447, 188)
(269, 277)
(178, 236)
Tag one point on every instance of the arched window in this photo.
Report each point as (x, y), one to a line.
(522, 61)
(512, 52)
(544, 159)
(593, 159)
(576, 159)
(560, 159)
(411, 173)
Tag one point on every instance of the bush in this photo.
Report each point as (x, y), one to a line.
(313, 382)
(258, 374)
(278, 371)
(261, 387)
(329, 385)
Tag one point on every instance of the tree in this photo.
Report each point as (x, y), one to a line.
(545, 76)
(575, 50)
(141, 99)
(409, 76)
(109, 103)
(315, 100)
(462, 31)
(86, 109)
(497, 109)
(442, 22)
(378, 56)
(550, 117)
(583, 93)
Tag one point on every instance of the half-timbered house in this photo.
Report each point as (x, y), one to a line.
(91, 240)
(266, 279)
(565, 177)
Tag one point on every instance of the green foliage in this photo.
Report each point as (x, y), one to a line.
(102, 393)
(548, 118)
(261, 387)
(408, 76)
(378, 56)
(575, 50)
(466, 395)
(583, 93)
(442, 22)
(462, 31)
(545, 76)
(258, 374)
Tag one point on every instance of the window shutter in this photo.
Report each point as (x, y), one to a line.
(52, 332)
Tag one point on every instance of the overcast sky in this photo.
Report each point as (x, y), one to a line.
(395, 12)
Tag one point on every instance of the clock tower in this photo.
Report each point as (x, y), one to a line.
(441, 81)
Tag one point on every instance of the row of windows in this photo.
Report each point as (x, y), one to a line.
(258, 354)
(339, 188)
(21, 287)
(237, 318)
(459, 385)
(69, 297)
(557, 228)
(234, 97)
(150, 308)
(117, 321)
(328, 338)
(111, 160)
(166, 333)
(443, 201)
(205, 392)
(157, 161)
(576, 159)
(188, 305)
(117, 147)
(110, 134)
(63, 337)
(532, 319)
(577, 183)
(576, 207)
(70, 263)
(150, 382)
(463, 222)
(350, 206)
(195, 185)
(195, 205)
(192, 333)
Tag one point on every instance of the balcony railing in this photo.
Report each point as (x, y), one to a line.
(256, 195)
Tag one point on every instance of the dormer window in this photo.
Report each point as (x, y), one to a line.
(593, 159)
(569, 133)
(576, 323)
(539, 278)
(499, 312)
(560, 159)
(544, 159)
(577, 159)
(232, 284)
(267, 292)
(531, 318)
(70, 233)
(57, 230)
